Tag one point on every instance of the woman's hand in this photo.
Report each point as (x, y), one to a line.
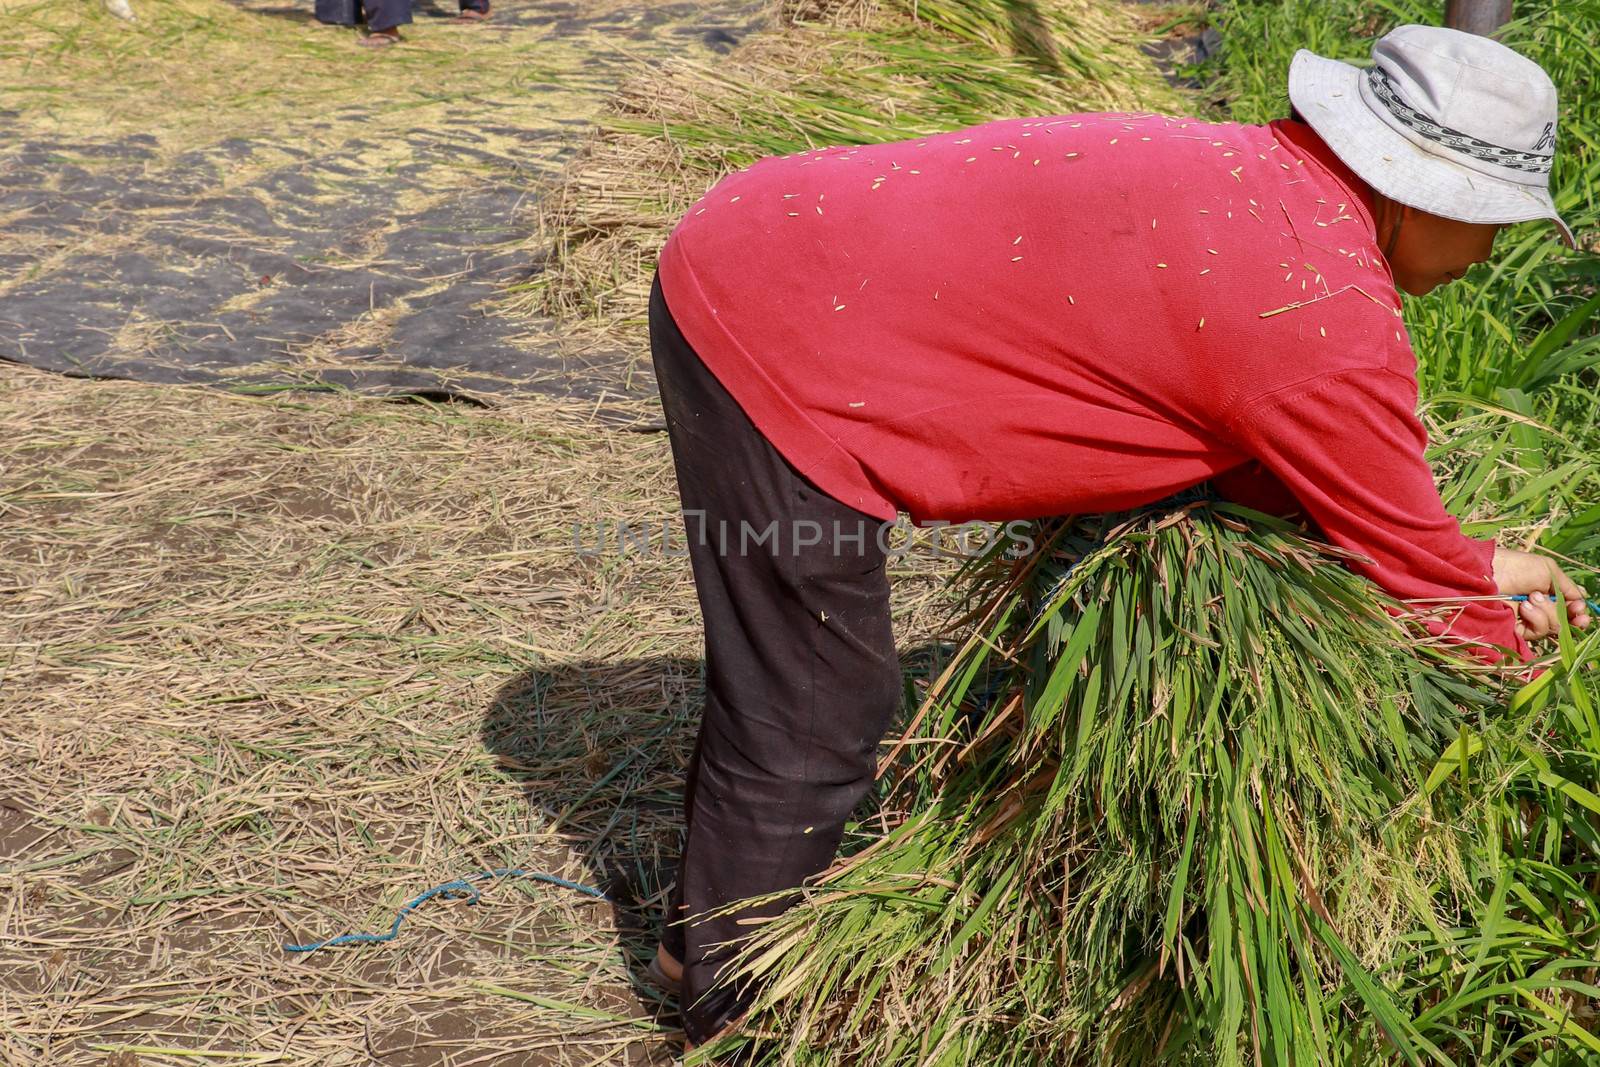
(1537, 577)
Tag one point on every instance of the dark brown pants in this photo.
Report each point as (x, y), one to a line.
(802, 679)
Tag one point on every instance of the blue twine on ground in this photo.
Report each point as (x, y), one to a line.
(458, 887)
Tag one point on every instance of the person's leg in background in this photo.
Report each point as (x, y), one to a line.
(384, 19)
(474, 11)
(802, 678)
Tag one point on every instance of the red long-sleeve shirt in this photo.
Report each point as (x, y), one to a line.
(1079, 313)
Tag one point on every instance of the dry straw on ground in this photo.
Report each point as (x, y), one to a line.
(191, 72)
(271, 667)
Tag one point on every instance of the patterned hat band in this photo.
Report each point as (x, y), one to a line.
(1535, 162)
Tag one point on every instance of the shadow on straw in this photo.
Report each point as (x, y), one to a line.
(601, 748)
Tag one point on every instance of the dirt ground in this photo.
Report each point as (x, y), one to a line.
(273, 664)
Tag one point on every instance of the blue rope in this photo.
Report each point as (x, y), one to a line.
(460, 887)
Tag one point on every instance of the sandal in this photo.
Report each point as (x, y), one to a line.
(472, 14)
(379, 39)
(665, 982)
(660, 978)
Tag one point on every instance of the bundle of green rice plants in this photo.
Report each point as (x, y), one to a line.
(829, 74)
(1165, 805)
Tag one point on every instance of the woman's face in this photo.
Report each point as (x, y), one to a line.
(1430, 250)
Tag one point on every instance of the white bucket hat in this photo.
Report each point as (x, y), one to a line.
(1448, 122)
